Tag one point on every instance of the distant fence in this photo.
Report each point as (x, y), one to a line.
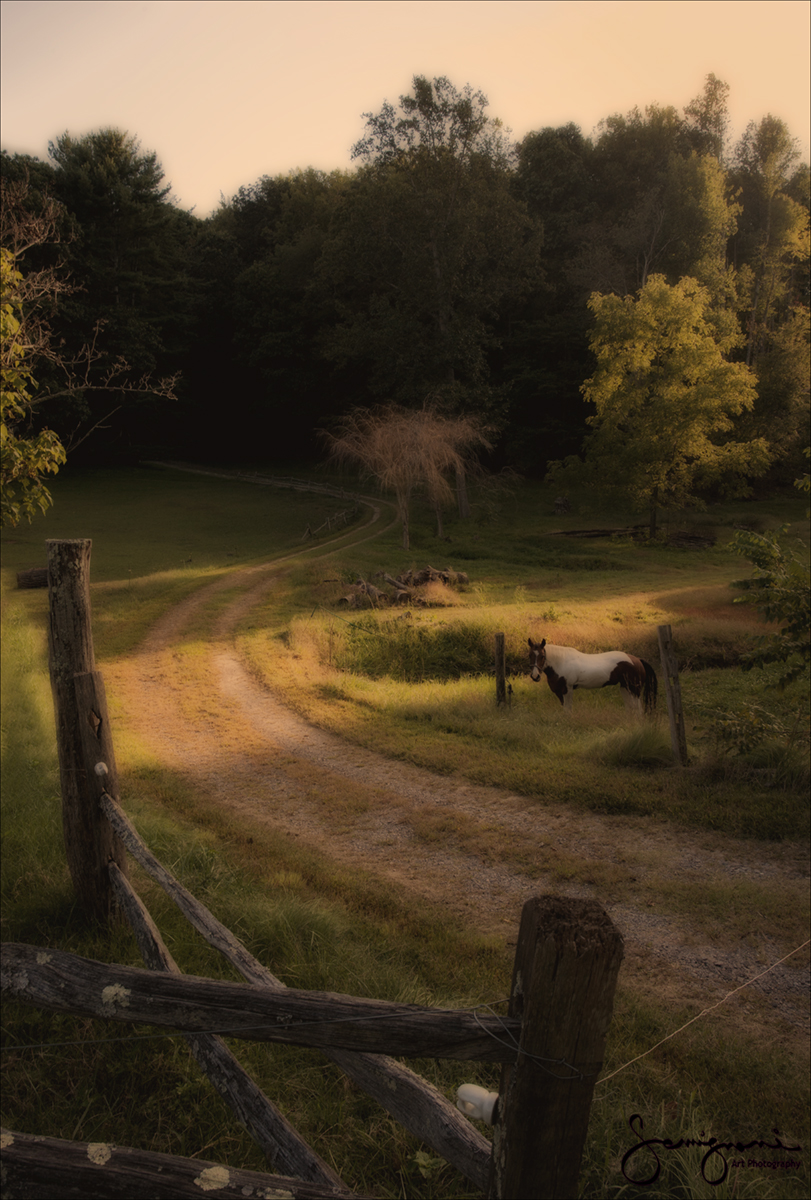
(550, 1044)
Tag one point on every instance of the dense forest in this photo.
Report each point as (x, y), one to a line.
(450, 267)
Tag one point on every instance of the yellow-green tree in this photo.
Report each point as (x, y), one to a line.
(781, 588)
(24, 460)
(666, 399)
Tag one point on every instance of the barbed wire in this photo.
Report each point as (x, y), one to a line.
(704, 1012)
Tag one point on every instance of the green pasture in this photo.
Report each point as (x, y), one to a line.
(418, 683)
(419, 688)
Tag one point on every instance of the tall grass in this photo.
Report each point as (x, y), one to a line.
(419, 685)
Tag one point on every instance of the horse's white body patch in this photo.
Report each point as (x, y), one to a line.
(583, 670)
(566, 669)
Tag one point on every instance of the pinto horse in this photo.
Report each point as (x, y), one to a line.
(566, 669)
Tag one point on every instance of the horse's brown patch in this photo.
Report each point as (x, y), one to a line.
(629, 675)
(557, 683)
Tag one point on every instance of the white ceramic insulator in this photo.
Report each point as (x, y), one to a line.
(476, 1102)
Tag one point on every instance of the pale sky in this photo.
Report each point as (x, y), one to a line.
(226, 91)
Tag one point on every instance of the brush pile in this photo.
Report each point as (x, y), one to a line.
(420, 588)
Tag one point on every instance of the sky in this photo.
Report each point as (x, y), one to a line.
(226, 91)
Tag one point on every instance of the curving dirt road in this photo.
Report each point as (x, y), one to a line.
(239, 746)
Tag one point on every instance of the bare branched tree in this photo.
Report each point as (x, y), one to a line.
(407, 450)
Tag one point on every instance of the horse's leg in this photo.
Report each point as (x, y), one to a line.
(558, 687)
(631, 678)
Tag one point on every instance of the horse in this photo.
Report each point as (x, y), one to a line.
(566, 669)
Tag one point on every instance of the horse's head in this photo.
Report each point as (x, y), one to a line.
(537, 659)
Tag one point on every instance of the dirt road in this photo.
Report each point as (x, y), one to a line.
(243, 749)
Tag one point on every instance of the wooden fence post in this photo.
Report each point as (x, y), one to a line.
(670, 667)
(501, 672)
(566, 966)
(82, 737)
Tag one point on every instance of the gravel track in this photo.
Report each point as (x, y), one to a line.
(244, 749)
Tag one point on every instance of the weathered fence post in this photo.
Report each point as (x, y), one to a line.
(566, 966)
(670, 667)
(82, 728)
(501, 672)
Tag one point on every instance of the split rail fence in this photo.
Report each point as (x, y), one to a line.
(550, 1045)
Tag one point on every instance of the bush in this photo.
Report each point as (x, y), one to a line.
(410, 652)
(643, 746)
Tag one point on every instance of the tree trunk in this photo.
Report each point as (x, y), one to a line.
(403, 506)
(461, 493)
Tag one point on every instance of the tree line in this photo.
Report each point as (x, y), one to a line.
(570, 295)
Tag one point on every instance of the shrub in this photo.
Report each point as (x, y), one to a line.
(411, 652)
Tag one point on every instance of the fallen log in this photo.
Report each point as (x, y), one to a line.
(374, 594)
(34, 577)
(625, 531)
(399, 584)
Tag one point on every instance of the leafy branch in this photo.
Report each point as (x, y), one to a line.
(780, 587)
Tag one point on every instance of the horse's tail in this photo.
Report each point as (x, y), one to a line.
(651, 687)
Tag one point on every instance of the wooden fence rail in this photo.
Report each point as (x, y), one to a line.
(66, 982)
(43, 1168)
(550, 1043)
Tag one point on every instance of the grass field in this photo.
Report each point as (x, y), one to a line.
(417, 689)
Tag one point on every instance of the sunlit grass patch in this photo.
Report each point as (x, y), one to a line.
(34, 876)
(434, 672)
(413, 648)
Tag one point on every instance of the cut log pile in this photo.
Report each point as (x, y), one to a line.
(640, 533)
(409, 587)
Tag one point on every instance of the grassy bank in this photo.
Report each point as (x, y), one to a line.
(418, 689)
(418, 683)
